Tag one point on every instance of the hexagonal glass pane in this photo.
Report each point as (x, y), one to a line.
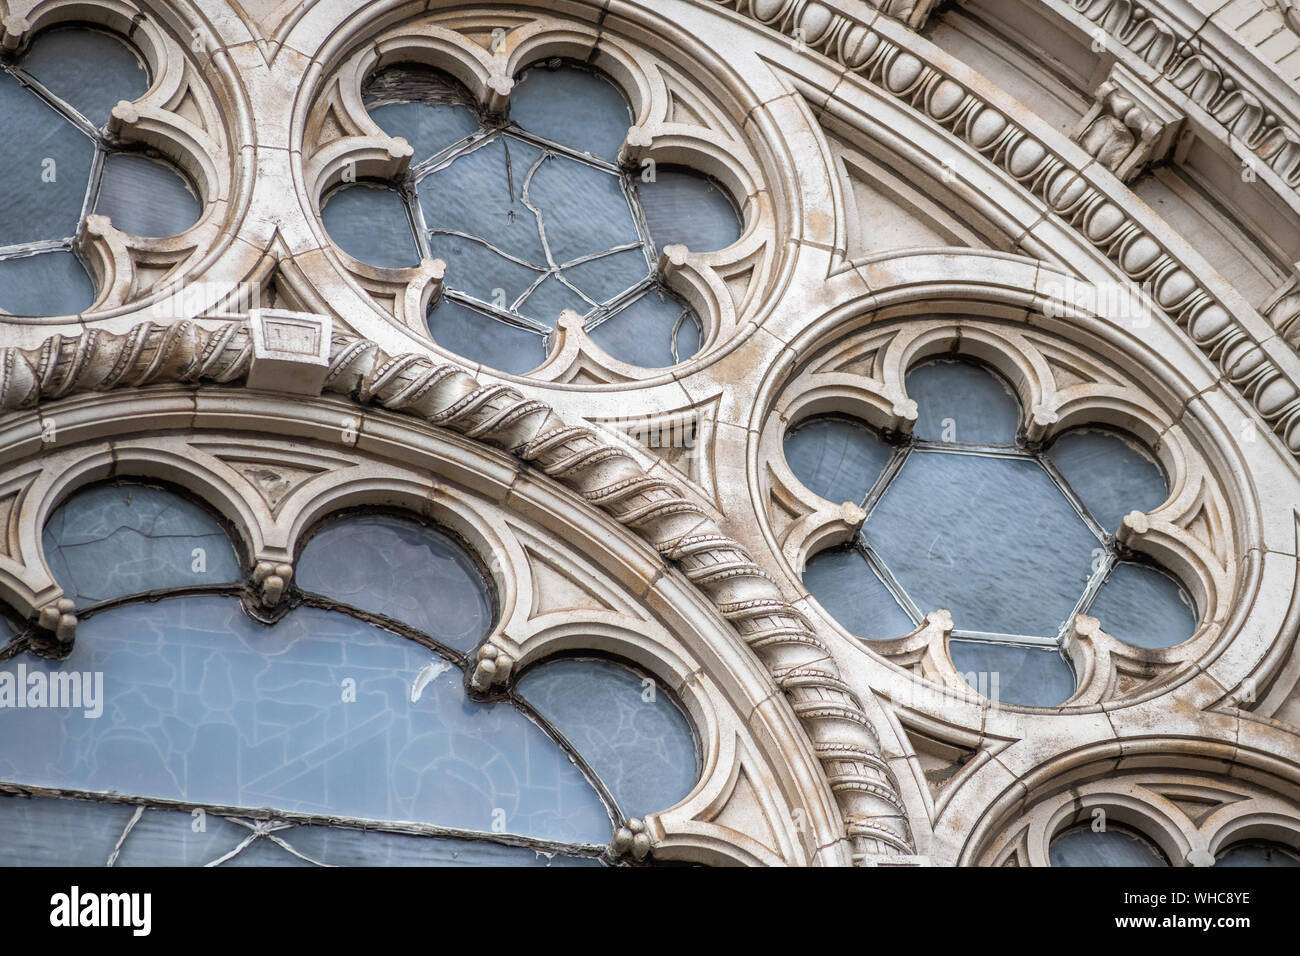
(991, 539)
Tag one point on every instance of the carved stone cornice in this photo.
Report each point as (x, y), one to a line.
(604, 475)
(1243, 358)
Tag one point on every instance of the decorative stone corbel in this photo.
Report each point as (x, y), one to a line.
(272, 581)
(59, 617)
(1129, 126)
(632, 840)
(291, 351)
(491, 669)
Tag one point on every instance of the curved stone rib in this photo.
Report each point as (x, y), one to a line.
(658, 510)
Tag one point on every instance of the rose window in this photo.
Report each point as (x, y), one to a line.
(533, 216)
(63, 162)
(1013, 541)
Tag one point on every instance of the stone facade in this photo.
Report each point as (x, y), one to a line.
(1098, 202)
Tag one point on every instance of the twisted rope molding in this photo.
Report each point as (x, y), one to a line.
(606, 476)
(906, 77)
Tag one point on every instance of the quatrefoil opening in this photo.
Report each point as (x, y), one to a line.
(533, 216)
(1013, 541)
(63, 164)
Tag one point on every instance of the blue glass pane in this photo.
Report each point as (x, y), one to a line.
(961, 402)
(48, 283)
(403, 570)
(1144, 607)
(626, 727)
(146, 197)
(370, 223)
(584, 209)
(571, 106)
(480, 338)
(993, 540)
(1114, 846)
(473, 268)
(687, 208)
(844, 584)
(607, 277)
(112, 540)
(202, 704)
(549, 299)
(428, 127)
(340, 847)
(43, 832)
(642, 332)
(836, 459)
(1111, 476)
(87, 68)
(1014, 673)
(1258, 853)
(47, 168)
(481, 194)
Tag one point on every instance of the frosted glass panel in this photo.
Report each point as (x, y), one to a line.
(584, 210)
(48, 283)
(145, 197)
(574, 107)
(1014, 673)
(112, 540)
(960, 402)
(1114, 846)
(685, 207)
(480, 338)
(1110, 475)
(642, 749)
(844, 584)
(370, 223)
(403, 570)
(1257, 853)
(642, 333)
(481, 194)
(993, 540)
(429, 128)
(836, 459)
(89, 69)
(1144, 607)
(315, 715)
(47, 161)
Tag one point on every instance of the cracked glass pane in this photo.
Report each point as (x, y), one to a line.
(1013, 673)
(47, 163)
(481, 193)
(991, 539)
(572, 106)
(338, 846)
(403, 570)
(369, 223)
(550, 298)
(626, 726)
(682, 206)
(1111, 476)
(837, 459)
(89, 69)
(48, 283)
(1144, 607)
(645, 331)
(1115, 846)
(844, 584)
(477, 270)
(146, 197)
(609, 276)
(477, 337)
(87, 832)
(583, 209)
(961, 402)
(315, 714)
(111, 540)
(429, 128)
